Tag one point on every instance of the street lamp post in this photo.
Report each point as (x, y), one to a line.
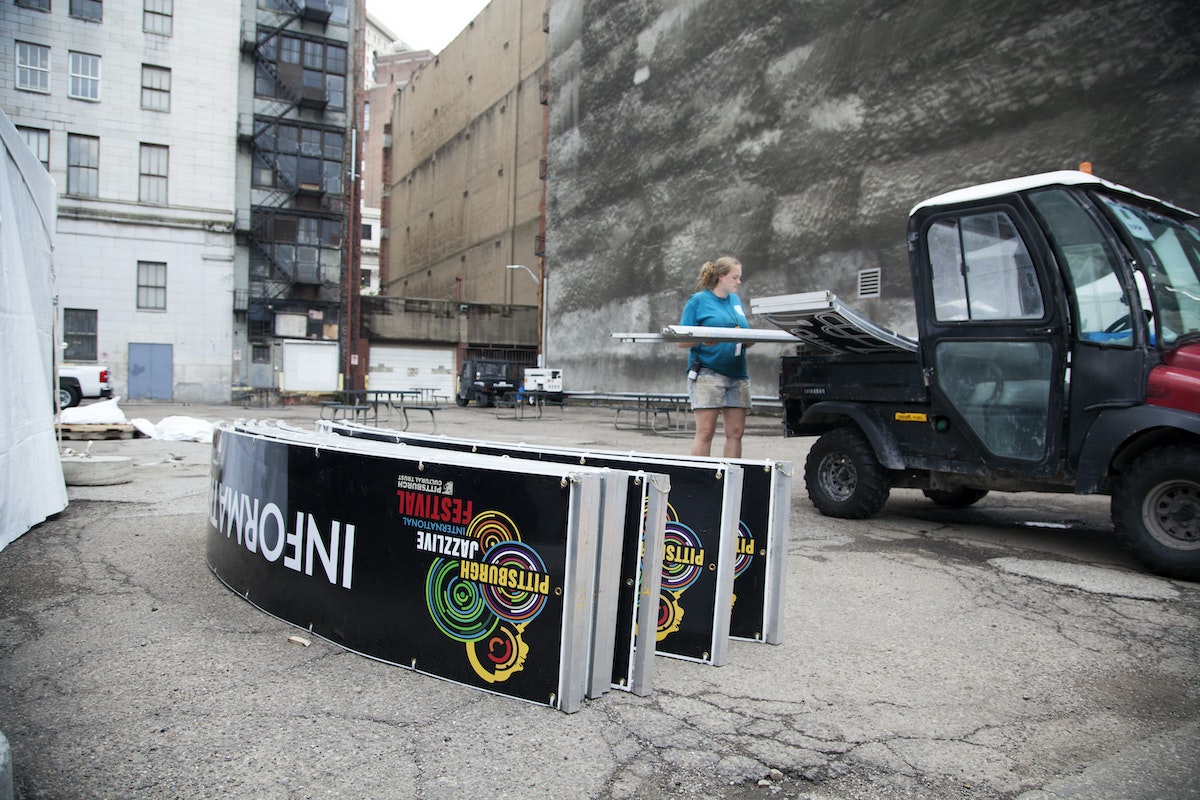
(532, 274)
(540, 310)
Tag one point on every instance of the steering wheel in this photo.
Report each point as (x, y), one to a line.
(1125, 323)
(1122, 324)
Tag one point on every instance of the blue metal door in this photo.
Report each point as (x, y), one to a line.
(151, 371)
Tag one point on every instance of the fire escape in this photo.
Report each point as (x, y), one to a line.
(287, 200)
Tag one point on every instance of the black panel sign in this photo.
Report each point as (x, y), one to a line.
(692, 621)
(761, 543)
(455, 571)
(750, 581)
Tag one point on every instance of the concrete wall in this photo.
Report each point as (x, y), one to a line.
(797, 135)
(465, 192)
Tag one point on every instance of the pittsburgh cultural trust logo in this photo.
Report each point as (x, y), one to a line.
(485, 585)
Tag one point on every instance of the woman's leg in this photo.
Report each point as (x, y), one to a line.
(734, 422)
(706, 426)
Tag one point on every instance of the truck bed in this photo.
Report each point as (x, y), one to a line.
(891, 380)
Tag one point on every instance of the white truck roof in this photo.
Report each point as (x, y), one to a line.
(1066, 177)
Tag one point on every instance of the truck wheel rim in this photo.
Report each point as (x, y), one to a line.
(839, 478)
(1171, 514)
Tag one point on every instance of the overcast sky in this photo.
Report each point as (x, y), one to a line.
(426, 24)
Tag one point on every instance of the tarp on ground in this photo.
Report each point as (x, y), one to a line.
(31, 479)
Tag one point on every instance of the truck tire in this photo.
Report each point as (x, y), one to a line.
(843, 476)
(958, 497)
(68, 395)
(462, 401)
(483, 400)
(1156, 508)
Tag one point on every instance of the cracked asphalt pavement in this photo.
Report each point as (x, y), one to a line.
(1009, 650)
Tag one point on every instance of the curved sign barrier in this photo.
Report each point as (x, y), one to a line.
(476, 569)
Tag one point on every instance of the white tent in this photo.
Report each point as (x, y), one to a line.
(31, 478)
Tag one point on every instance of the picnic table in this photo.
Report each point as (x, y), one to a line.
(652, 411)
(377, 405)
(529, 403)
(421, 398)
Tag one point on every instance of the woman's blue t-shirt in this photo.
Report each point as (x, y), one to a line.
(705, 308)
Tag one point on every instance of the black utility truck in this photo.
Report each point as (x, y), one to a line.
(482, 380)
(1058, 350)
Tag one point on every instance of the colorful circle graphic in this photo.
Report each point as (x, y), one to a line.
(743, 559)
(677, 575)
(491, 528)
(501, 650)
(515, 603)
(457, 606)
(670, 615)
(500, 655)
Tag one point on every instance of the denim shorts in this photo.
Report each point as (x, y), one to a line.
(714, 390)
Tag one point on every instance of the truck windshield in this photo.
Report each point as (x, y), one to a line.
(1168, 251)
(491, 370)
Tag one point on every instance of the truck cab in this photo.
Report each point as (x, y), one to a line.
(1058, 349)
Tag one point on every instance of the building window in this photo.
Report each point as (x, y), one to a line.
(40, 5)
(315, 71)
(156, 88)
(83, 165)
(85, 76)
(39, 142)
(152, 174)
(262, 329)
(366, 232)
(33, 67)
(152, 285)
(341, 12)
(157, 16)
(90, 10)
(260, 354)
(296, 158)
(303, 248)
(338, 9)
(79, 333)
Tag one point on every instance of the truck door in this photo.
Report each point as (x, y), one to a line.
(992, 332)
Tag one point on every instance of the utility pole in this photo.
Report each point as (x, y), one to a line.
(353, 367)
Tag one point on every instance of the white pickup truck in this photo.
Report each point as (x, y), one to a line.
(77, 381)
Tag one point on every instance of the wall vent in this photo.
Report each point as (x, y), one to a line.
(869, 282)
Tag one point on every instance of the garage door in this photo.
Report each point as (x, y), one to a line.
(309, 366)
(394, 367)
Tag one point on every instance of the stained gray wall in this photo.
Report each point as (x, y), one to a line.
(797, 134)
